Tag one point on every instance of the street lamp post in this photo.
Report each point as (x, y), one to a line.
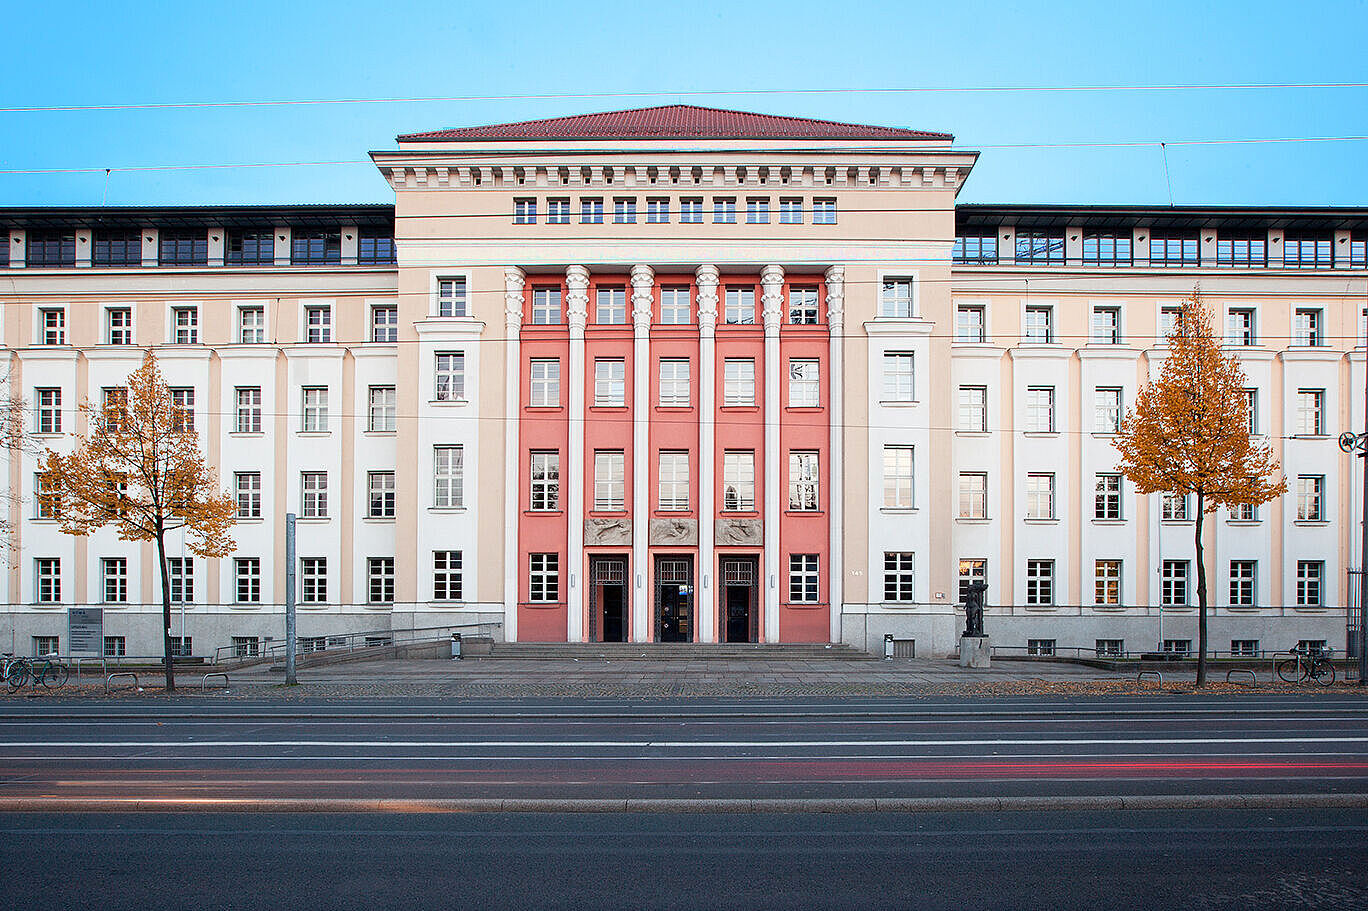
(1349, 441)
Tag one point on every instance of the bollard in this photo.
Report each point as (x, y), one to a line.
(455, 645)
(888, 646)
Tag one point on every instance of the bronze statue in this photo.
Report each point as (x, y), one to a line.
(973, 608)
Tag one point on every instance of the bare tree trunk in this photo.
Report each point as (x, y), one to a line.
(166, 613)
(1201, 595)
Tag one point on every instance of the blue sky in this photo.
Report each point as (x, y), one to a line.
(120, 54)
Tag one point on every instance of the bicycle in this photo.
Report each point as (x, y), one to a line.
(13, 671)
(52, 674)
(1307, 665)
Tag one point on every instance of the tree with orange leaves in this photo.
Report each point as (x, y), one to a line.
(139, 468)
(1188, 433)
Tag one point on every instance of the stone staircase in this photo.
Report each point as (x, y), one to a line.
(678, 651)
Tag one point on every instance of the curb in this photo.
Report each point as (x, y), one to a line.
(681, 805)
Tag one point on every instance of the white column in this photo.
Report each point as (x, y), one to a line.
(835, 296)
(513, 311)
(643, 284)
(772, 283)
(705, 604)
(572, 480)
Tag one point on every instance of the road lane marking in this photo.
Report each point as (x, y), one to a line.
(676, 744)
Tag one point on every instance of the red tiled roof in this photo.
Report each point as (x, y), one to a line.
(675, 121)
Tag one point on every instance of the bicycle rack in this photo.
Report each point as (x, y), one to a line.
(1158, 677)
(120, 674)
(1253, 677)
(206, 680)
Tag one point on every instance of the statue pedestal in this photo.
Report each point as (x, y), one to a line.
(976, 651)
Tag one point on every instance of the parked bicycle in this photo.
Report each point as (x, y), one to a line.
(48, 671)
(1307, 664)
(11, 664)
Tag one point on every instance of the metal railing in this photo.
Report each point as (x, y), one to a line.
(274, 652)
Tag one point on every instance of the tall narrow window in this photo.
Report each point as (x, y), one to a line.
(1040, 409)
(973, 495)
(449, 377)
(251, 325)
(451, 296)
(674, 480)
(318, 325)
(1306, 328)
(380, 579)
(973, 409)
(969, 324)
(674, 383)
(115, 573)
(1106, 325)
(48, 581)
(183, 409)
(1040, 495)
(1040, 582)
(971, 570)
(380, 486)
(543, 577)
(1107, 582)
(119, 326)
(1107, 412)
(1311, 498)
(545, 383)
(1173, 585)
(1310, 412)
(315, 419)
(740, 306)
(1040, 325)
(674, 305)
(1174, 508)
(181, 571)
(738, 480)
(53, 326)
(738, 382)
(612, 306)
(49, 402)
(803, 306)
(546, 306)
(895, 298)
(247, 579)
(610, 385)
(1310, 579)
(446, 575)
(609, 482)
(1242, 579)
(1107, 496)
(805, 387)
(382, 411)
(804, 482)
(899, 376)
(545, 474)
(248, 487)
(313, 580)
(448, 477)
(185, 325)
(1240, 326)
(314, 486)
(898, 477)
(803, 578)
(899, 576)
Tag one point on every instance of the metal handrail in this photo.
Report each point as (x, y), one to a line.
(356, 641)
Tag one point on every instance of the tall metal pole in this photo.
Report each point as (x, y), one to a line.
(1363, 538)
(290, 637)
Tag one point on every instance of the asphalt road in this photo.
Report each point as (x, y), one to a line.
(238, 754)
(1194, 860)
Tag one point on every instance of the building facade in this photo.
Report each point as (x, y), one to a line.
(681, 374)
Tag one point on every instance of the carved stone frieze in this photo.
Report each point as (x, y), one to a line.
(609, 532)
(739, 532)
(667, 532)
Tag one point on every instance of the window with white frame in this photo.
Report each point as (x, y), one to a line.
(448, 477)
(317, 325)
(248, 409)
(1252, 409)
(973, 409)
(824, 211)
(449, 376)
(895, 298)
(1173, 583)
(114, 571)
(738, 381)
(802, 307)
(674, 480)
(313, 580)
(48, 579)
(247, 580)
(1242, 582)
(1244, 512)
(115, 646)
(738, 480)
(1310, 412)
(610, 489)
(1040, 648)
(1310, 498)
(610, 382)
(1107, 582)
(724, 210)
(803, 578)
(898, 484)
(804, 482)
(543, 577)
(591, 210)
(183, 409)
(1240, 326)
(899, 576)
(899, 377)
(1174, 507)
(611, 306)
(544, 379)
(546, 306)
(790, 210)
(314, 485)
(380, 580)
(446, 575)
(545, 475)
(1169, 319)
(1310, 583)
(43, 508)
(383, 415)
(1040, 495)
(624, 210)
(1106, 325)
(118, 326)
(1306, 328)
(1177, 646)
(49, 404)
(251, 325)
(385, 324)
(1107, 496)
(1039, 325)
(1040, 582)
(757, 210)
(451, 296)
(115, 406)
(973, 495)
(675, 306)
(1107, 412)
(971, 570)
(969, 324)
(1244, 648)
(805, 388)
(315, 410)
(691, 210)
(525, 210)
(674, 382)
(185, 325)
(247, 485)
(739, 307)
(657, 210)
(53, 326)
(181, 572)
(1040, 409)
(558, 210)
(1109, 648)
(380, 490)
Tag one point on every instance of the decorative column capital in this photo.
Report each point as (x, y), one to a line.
(835, 296)
(576, 296)
(643, 295)
(772, 285)
(514, 279)
(707, 278)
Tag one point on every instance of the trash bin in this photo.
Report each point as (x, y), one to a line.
(455, 645)
(888, 645)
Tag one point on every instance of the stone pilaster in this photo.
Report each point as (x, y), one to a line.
(705, 604)
(514, 279)
(643, 293)
(835, 299)
(572, 479)
(772, 299)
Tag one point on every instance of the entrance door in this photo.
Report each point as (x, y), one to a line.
(608, 612)
(740, 618)
(674, 599)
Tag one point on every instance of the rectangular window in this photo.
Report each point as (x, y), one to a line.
(971, 570)
(248, 409)
(1252, 410)
(824, 211)
(740, 306)
(1307, 251)
(657, 210)
(49, 417)
(115, 406)
(612, 306)
(1358, 252)
(674, 480)
(54, 326)
(449, 376)
(804, 482)
(1040, 648)
(895, 298)
(380, 487)
(247, 484)
(42, 507)
(1040, 582)
(724, 210)
(1107, 498)
(314, 248)
(610, 382)
(899, 377)
(1310, 412)
(1040, 248)
(969, 324)
(1109, 648)
(315, 417)
(543, 577)
(674, 383)
(591, 210)
(1250, 251)
(1240, 326)
(446, 575)
(185, 325)
(181, 572)
(1169, 319)
(313, 580)
(374, 247)
(1310, 498)
(610, 492)
(183, 248)
(1244, 648)
(1306, 328)
(380, 579)
(115, 646)
(524, 211)
(246, 646)
(1174, 507)
(557, 211)
(805, 387)
(1040, 498)
(1242, 578)
(382, 416)
(738, 480)
(899, 576)
(1040, 325)
(451, 296)
(1174, 250)
(1040, 409)
(624, 210)
(738, 382)
(803, 578)
(1178, 646)
(546, 306)
(1243, 512)
(1107, 411)
(183, 409)
(973, 495)
(1106, 325)
(973, 409)
(1107, 582)
(545, 383)
(251, 325)
(757, 210)
(448, 477)
(1310, 575)
(802, 307)
(118, 326)
(977, 249)
(48, 573)
(545, 474)
(790, 210)
(674, 306)
(314, 486)
(114, 571)
(691, 210)
(318, 325)
(1173, 586)
(898, 477)
(117, 248)
(1106, 249)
